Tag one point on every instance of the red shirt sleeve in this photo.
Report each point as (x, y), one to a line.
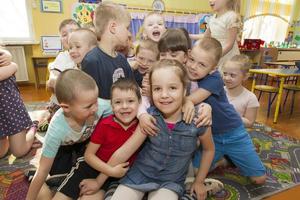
(98, 136)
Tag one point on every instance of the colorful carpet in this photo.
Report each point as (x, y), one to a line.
(277, 151)
(13, 184)
(280, 155)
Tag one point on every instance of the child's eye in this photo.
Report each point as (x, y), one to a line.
(117, 102)
(156, 89)
(131, 100)
(173, 88)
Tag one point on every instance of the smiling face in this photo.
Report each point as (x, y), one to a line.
(154, 27)
(167, 92)
(122, 32)
(199, 64)
(84, 105)
(79, 46)
(125, 105)
(232, 75)
(145, 59)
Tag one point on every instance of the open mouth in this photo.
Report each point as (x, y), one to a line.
(125, 113)
(156, 33)
(212, 5)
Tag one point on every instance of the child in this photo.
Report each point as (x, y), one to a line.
(17, 131)
(146, 55)
(153, 26)
(230, 136)
(109, 134)
(70, 127)
(103, 63)
(162, 164)
(62, 62)
(224, 26)
(235, 72)
(81, 41)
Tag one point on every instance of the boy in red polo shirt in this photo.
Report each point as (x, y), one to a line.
(110, 134)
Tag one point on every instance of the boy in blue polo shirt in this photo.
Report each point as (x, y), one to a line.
(229, 134)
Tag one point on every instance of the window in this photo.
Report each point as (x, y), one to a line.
(15, 22)
(266, 27)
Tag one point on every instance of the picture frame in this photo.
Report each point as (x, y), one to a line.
(51, 43)
(52, 6)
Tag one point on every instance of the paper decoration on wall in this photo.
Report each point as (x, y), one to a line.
(83, 13)
(90, 1)
(202, 23)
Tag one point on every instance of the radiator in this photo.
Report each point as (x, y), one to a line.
(18, 56)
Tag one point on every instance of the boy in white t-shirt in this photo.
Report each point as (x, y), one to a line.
(235, 72)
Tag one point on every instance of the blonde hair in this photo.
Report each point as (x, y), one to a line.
(178, 68)
(87, 35)
(149, 45)
(107, 11)
(242, 61)
(67, 22)
(212, 46)
(69, 84)
(234, 5)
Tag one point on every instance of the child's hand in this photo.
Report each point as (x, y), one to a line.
(199, 189)
(205, 115)
(146, 86)
(5, 57)
(188, 110)
(89, 186)
(119, 170)
(148, 124)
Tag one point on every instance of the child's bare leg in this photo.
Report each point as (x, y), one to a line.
(61, 196)
(22, 139)
(3, 146)
(45, 193)
(259, 179)
(163, 194)
(126, 193)
(99, 196)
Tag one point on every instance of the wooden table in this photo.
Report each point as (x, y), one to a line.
(40, 61)
(282, 74)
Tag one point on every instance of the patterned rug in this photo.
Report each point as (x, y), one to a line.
(280, 155)
(277, 151)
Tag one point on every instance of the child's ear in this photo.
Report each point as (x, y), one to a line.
(65, 107)
(112, 27)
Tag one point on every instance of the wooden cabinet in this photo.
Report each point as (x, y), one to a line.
(288, 54)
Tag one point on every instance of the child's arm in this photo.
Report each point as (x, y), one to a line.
(120, 156)
(204, 117)
(198, 96)
(95, 162)
(7, 71)
(39, 177)
(200, 36)
(250, 117)
(147, 123)
(232, 35)
(208, 151)
(52, 79)
(5, 57)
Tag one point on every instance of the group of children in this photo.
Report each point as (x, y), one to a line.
(140, 125)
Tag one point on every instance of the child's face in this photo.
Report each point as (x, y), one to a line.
(84, 106)
(145, 59)
(78, 47)
(65, 33)
(180, 56)
(199, 64)
(122, 33)
(125, 105)
(232, 75)
(217, 5)
(167, 92)
(154, 27)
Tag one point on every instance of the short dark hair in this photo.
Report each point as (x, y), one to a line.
(69, 84)
(126, 84)
(173, 40)
(66, 22)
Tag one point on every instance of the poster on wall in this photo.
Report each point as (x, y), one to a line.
(54, 6)
(83, 12)
(89, 1)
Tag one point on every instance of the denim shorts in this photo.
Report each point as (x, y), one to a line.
(238, 146)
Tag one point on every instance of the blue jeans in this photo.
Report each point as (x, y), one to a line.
(238, 146)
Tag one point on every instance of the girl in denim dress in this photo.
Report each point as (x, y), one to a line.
(161, 166)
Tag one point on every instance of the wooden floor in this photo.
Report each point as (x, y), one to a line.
(286, 124)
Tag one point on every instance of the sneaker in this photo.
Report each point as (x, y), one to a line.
(43, 126)
(213, 186)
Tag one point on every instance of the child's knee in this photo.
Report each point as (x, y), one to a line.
(4, 147)
(259, 180)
